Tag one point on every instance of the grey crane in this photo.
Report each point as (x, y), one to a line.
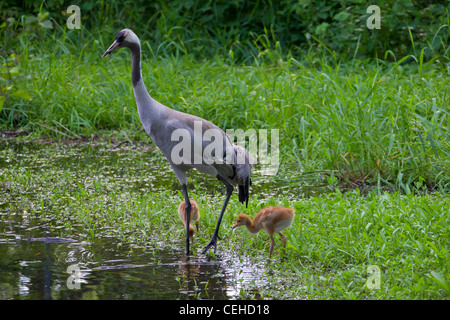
(229, 163)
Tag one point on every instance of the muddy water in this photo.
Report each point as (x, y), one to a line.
(36, 264)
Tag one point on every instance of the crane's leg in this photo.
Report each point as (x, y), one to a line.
(188, 215)
(213, 241)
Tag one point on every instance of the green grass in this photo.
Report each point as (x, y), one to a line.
(363, 122)
(405, 236)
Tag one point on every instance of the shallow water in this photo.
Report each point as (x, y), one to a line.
(107, 269)
(38, 260)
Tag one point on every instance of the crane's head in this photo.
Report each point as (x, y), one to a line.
(125, 38)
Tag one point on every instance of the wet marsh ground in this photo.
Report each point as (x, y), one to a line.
(110, 213)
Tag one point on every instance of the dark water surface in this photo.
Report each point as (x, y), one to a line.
(36, 264)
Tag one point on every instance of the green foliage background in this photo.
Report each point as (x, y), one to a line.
(207, 27)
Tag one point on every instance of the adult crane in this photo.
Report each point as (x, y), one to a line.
(184, 141)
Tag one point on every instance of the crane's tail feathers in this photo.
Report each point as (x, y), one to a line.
(243, 162)
(244, 192)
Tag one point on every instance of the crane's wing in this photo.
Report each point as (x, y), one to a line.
(192, 142)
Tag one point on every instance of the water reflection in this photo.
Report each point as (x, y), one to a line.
(32, 268)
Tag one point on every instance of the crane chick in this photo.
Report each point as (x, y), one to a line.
(195, 216)
(271, 219)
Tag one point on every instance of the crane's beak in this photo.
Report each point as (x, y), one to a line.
(114, 46)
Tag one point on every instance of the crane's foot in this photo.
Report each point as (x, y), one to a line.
(212, 243)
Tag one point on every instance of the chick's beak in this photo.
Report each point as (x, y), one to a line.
(114, 46)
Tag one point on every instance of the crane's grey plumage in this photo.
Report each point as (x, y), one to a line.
(232, 167)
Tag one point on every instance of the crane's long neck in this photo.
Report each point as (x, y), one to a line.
(136, 73)
(147, 106)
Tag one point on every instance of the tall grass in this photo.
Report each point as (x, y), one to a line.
(364, 122)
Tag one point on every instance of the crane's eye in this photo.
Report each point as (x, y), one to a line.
(120, 36)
